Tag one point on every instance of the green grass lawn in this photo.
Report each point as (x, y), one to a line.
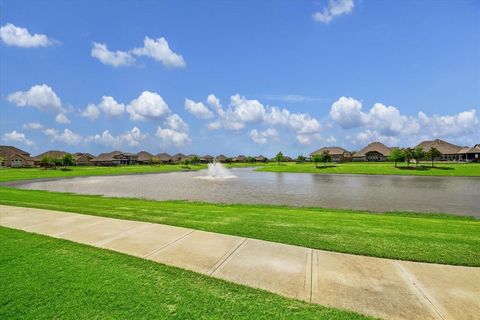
(416, 237)
(388, 168)
(47, 278)
(10, 174)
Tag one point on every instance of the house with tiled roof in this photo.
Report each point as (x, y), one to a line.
(336, 153)
(449, 151)
(375, 151)
(15, 157)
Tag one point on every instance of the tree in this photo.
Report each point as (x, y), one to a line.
(228, 160)
(46, 162)
(155, 161)
(250, 159)
(396, 155)
(317, 158)
(279, 157)
(68, 160)
(418, 154)
(408, 152)
(185, 163)
(301, 158)
(326, 157)
(433, 154)
(194, 160)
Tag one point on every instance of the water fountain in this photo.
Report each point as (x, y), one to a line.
(217, 171)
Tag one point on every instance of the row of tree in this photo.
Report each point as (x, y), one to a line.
(417, 154)
(52, 162)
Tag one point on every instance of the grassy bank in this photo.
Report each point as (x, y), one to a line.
(428, 238)
(47, 278)
(387, 168)
(10, 174)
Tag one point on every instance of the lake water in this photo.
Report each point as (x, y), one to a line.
(455, 195)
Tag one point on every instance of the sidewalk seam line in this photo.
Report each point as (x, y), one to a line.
(121, 234)
(157, 250)
(225, 258)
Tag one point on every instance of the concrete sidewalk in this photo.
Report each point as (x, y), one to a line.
(382, 288)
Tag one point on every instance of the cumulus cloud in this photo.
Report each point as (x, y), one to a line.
(461, 124)
(91, 112)
(347, 112)
(149, 105)
(160, 51)
(62, 118)
(114, 58)
(41, 97)
(198, 109)
(17, 137)
(335, 8)
(67, 136)
(365, 137)
(131, 138)
(12, 35)
(111, 107)
(33, 126)
(262, 137)
(174, 132)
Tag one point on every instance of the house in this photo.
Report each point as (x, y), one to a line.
(53, 154)
(260, 158)
(468, 154)
(240, 158)
(338, 154)
(221, 158)
(449, 151)
(179, 157)
(14, 157)
(114, 158)
(375, 151)
(144, 157)
(287, 159)
(83, 158)
(164, 157)
(206, 159)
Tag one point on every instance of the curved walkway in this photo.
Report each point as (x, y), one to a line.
(384, 288)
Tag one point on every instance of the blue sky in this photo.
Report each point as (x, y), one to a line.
(259, 76)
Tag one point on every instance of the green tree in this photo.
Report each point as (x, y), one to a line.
(194, 160)
(326, 157)
(301, 158)
(408, 152)
(67, 160)
(418, 154)
(433, 154)
(185, 163)
(228, 160)
(397, 155)
(46, 162)
(316, 158)
(58, 162)
(250, 159)
(279, 157)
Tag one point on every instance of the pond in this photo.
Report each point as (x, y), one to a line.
(455, 195)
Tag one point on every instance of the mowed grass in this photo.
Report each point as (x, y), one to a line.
(417, 237)
(386, 168)
(11, 174)
(47, 278)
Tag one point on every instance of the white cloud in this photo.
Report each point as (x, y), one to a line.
(41, 97)
(245, 110)
(67, 136)
(198, 109)
(335, 8)
(131, 138)
(159, 50)
(12, 35)
(17, 137)
(214, 125)
(214, 102)
(172, 137)
(113, 58)
(33, 126)
(91, 112)
(149, 105)
(365, 137)
(111, 107)
(62, 118)
(347, 112)
(175, 134)
(262, 137)
(461, 124)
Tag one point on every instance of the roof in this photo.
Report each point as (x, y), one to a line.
(8, 152)
(240, 157)
(207, 156)
(144, 156)
(443, 146)
(51, 154)
(331, 151)
(221, 157)
(464, 150)
(260, 157)
(164, 156)
(107, 156)
(178, 155)
(86, 154)
(475, 149)
(374, 146)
